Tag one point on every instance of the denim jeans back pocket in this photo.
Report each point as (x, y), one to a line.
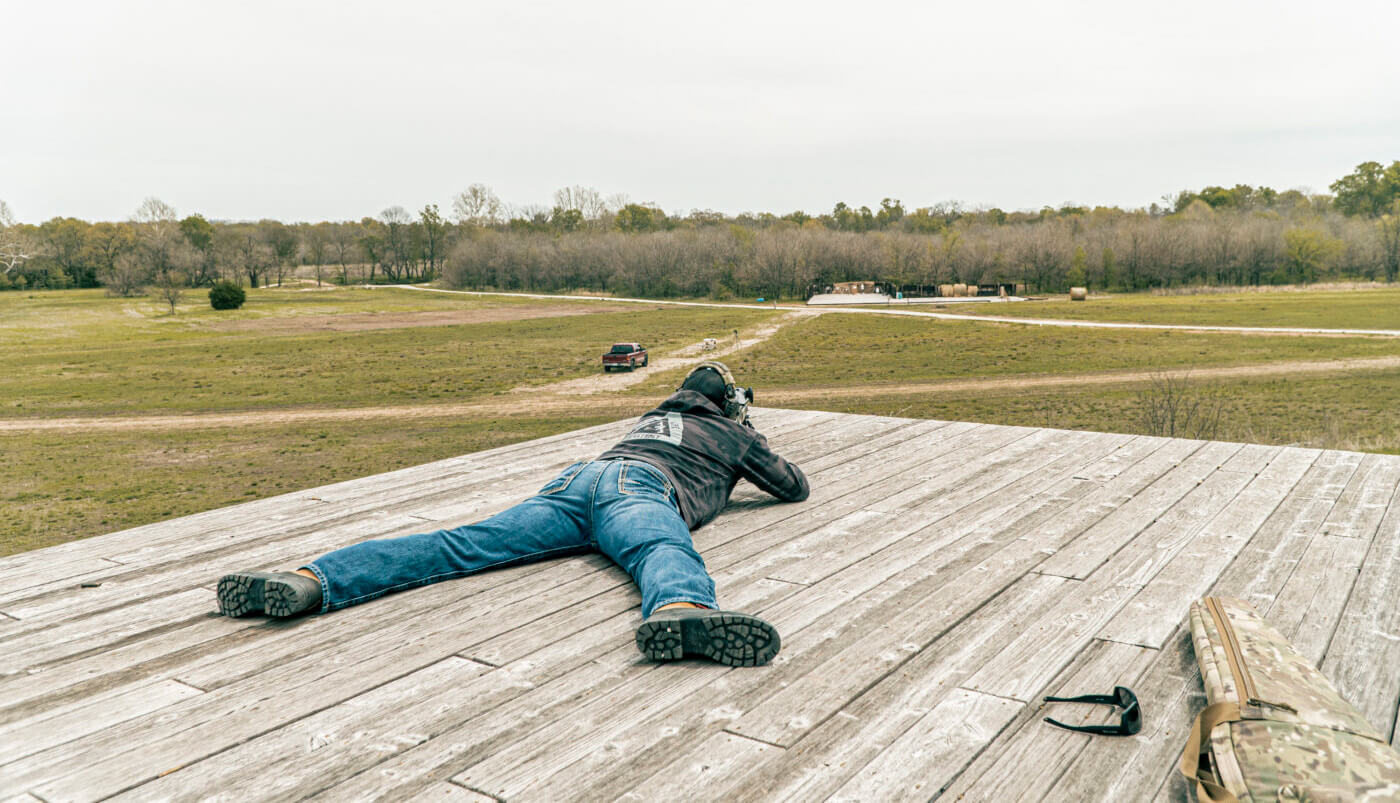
(562, 481)
(640, 478)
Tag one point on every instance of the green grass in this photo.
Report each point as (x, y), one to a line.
(83, 354)
(1368, 308)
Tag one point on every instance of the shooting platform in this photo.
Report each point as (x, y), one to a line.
(942, 578)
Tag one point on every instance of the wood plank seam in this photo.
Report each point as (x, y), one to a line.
(469, 789)
(1032, 701)
(752, 738)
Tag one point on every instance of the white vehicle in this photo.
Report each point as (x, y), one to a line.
(709, 344)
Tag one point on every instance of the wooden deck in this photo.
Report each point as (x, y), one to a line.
(942, 578)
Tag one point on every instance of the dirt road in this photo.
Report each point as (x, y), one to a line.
(690, 355)
(947, 316)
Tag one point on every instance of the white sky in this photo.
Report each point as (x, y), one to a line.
(336, 110)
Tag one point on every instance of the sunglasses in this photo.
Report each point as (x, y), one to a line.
(1122, 697)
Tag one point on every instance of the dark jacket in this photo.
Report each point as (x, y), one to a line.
(705, 454)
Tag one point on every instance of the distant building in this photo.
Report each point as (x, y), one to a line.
(854, 288)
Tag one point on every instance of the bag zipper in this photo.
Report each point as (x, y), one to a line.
(1235, 656)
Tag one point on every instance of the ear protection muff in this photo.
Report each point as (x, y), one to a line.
(736, 399)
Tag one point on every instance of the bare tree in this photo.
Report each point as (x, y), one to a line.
(313, 246)
(1174, 407)
(477, 205)
(170, 288)
(396, 221)
(126, 276)
(157, 233)
(588, 201)
(343, 244)
(13, 252)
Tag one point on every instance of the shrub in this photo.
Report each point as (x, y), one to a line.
(226, 295)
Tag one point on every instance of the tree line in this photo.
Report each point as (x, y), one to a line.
(1240, 235)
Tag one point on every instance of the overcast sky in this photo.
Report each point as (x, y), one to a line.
(336, 110)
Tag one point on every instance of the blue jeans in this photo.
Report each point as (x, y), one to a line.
(625, 509)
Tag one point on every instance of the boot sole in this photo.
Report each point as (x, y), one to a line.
(726, 638)
(247, 593)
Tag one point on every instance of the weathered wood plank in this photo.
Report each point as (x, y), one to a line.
(1100, 494)
(699, 775)
(1049, 644)
(1330, 474)
(1364, 500)
(934, 750)
(449, 792)
(1155, 613)
(993, 474)
(1031, 754)
(97, 673)
(69, 570)
(343, 738)
(26, 647)
(22, 737)
(1096, 545)
(837, 490)
(1310, 604)
(1365, 650)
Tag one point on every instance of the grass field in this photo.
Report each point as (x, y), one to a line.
(83, 354)
(1369, 308)
(79, 354)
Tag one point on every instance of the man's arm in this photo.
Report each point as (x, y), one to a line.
(771, 473)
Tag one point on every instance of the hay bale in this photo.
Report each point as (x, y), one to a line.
(959, 289)
(945, 290)
(1078, 294)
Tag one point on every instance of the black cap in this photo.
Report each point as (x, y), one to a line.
(708, 383)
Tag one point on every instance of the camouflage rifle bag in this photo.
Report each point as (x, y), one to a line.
(1274, 728)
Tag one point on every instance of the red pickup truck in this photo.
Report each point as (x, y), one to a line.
(625, 355)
